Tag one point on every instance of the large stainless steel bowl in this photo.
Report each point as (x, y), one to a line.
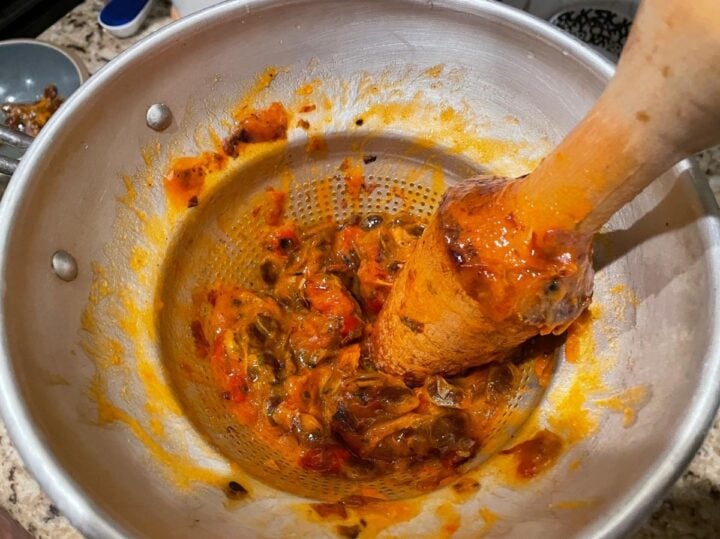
(106, 472)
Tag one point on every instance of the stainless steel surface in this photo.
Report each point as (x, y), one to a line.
(158, 117)
(664, 247)
(8, 165)
(64, 265)
(16, 139)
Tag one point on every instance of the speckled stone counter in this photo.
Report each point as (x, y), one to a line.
(691, 509)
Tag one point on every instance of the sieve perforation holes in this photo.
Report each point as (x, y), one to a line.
(309, 202)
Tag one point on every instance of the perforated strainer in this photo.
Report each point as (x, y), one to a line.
(224, 243)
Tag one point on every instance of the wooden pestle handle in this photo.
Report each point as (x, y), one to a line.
(503, 261)
(662, 105)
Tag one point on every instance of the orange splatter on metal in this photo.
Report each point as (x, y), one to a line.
(536, 454)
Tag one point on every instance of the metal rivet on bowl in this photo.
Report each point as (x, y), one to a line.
(158, 117)
(64, 265)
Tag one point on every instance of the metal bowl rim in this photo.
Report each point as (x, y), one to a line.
(93, 521)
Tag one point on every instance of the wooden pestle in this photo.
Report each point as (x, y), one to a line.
(504, 260)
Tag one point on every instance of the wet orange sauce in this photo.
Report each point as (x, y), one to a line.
(498, 258)
(185, 180)
(488, 516)
(627, 403)
(316, 146)
(264, 125)
(353, 174)
(273, 210)
(571, 417)
(262, 82)
(576, 337)
(544, 370)
(537, 454)
(449, 520)
(307, 89)
(362, 517)
(435, 71)
(465, 488)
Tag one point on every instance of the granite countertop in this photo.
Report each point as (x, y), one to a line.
(691, 508)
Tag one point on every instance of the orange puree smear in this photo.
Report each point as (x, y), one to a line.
(353, 178)
(450, 519)
(537, 454)
(362, 517)
(267, 125)
(576, 340)
(185, 180)
(627, 403)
